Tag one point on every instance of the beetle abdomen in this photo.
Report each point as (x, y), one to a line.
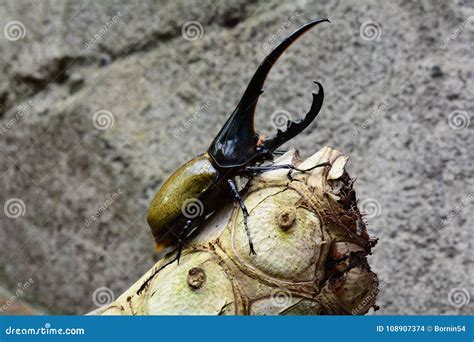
(179, 199)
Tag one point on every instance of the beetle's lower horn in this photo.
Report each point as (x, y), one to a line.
(294, 128)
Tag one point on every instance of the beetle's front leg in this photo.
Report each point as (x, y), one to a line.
(265, 168)
(181, 237)
(238, 199)
(252, 170)
(279, 152)
(183, 234)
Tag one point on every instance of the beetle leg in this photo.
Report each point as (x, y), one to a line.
(182, 235)
(279, 152)
(147, 282)
(265, 150)
(179, 248)
(260, 169)
(265, 168)
(245, 212)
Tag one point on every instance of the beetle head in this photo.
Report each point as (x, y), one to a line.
(237, 144)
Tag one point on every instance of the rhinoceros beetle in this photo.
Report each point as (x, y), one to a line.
(207, 182)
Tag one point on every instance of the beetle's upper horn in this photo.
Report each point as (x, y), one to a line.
(255, 88)
(237, 139)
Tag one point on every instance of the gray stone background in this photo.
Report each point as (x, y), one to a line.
(101, 101)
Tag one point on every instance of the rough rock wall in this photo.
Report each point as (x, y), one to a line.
(101, 101)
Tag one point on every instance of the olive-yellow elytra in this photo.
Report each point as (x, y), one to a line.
(190, 182)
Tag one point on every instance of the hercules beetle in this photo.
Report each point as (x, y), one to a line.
(207, 181)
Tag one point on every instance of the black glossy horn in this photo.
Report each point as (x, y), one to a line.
(255, 88)
(295, 128)
(235, 144)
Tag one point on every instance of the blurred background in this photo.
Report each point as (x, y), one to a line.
(101, 101)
